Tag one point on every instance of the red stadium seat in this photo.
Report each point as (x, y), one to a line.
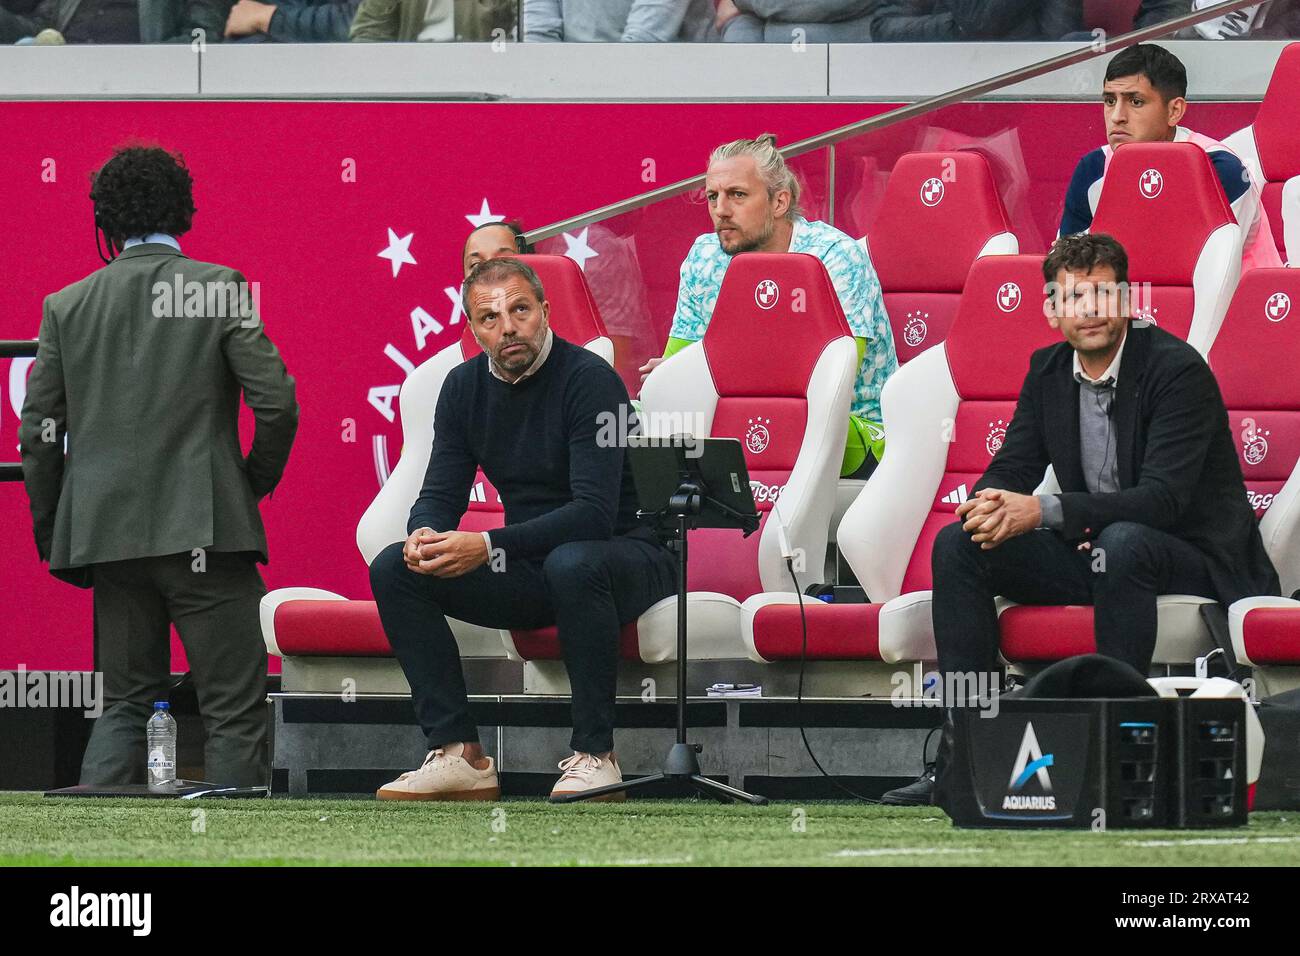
(1257, 371)
(946, 412)
(313, 622)
(775, 370)
(1164, 203)
(1254, 358)
(1270, 148)
(940, 213)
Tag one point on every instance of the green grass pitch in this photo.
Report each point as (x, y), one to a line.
(81, 832)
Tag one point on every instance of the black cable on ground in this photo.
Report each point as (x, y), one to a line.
(798, 705)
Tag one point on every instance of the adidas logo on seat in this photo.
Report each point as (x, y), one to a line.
(957, 496)
(477, 493)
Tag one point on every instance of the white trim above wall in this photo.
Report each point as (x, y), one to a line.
(1224, 70)
(592, 72)
(95, 72)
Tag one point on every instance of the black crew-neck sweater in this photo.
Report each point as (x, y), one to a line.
(536, 442)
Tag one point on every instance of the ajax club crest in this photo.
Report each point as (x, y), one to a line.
(996, 436)
(757, 437)
(1254, 442)
(915, 329)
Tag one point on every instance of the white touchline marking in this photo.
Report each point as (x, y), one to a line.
(1212, 841)
(670, 861)
(909, 851)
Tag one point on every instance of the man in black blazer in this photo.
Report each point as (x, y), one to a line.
(140, 367)
(1152, 501)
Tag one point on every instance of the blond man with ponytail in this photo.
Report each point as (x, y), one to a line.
(754, 202)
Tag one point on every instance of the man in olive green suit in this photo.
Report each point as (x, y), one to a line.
(141, 365)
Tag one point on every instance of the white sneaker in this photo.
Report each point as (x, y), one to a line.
(584, 772)
(444, 775)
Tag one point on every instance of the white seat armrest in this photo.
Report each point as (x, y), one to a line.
(906, 628)
(750, 607)
(1237, 620)
(273, 599)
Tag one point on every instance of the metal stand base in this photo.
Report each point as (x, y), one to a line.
(685, 506)
(681, 765)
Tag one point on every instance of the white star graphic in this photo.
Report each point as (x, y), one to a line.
(578, 250)
(485, 216)
(398, 251)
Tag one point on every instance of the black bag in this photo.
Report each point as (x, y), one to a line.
(1278, 787)
(1084, 676)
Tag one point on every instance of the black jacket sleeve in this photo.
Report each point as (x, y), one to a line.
(1182, 425)
(1158, 11)
(992, 18)
(313, 22)
(902, 23)
(14, 26)
(1022, 461)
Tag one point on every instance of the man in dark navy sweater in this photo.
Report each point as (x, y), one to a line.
(528, 411)
(1145, 99)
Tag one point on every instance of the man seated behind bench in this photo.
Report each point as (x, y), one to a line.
(754, 201)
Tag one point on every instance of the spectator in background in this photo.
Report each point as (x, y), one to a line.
(1152, 12)
(433, 21)
(754, 203)
(774, 21)
(1256, 21)
(291, 21)
(1281, 21)
(918, 21)
(1229, 26)
(1144, 97)
(611, 21)
(113, 21)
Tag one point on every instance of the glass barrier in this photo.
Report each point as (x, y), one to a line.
(612, 21)
(633, 260)
(928, 21)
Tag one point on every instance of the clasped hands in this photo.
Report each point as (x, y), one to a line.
(993, 516)
(444, 554)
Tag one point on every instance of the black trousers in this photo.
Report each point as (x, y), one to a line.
(214, 606)
(587, 588)
(1129, 565)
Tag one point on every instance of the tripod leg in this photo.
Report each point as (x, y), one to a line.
(623, 787)
(725, 793)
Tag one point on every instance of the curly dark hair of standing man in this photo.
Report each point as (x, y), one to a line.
(142, 190)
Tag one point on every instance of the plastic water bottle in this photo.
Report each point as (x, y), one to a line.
(161, 736)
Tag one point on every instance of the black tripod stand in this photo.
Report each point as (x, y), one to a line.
(688, 507)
